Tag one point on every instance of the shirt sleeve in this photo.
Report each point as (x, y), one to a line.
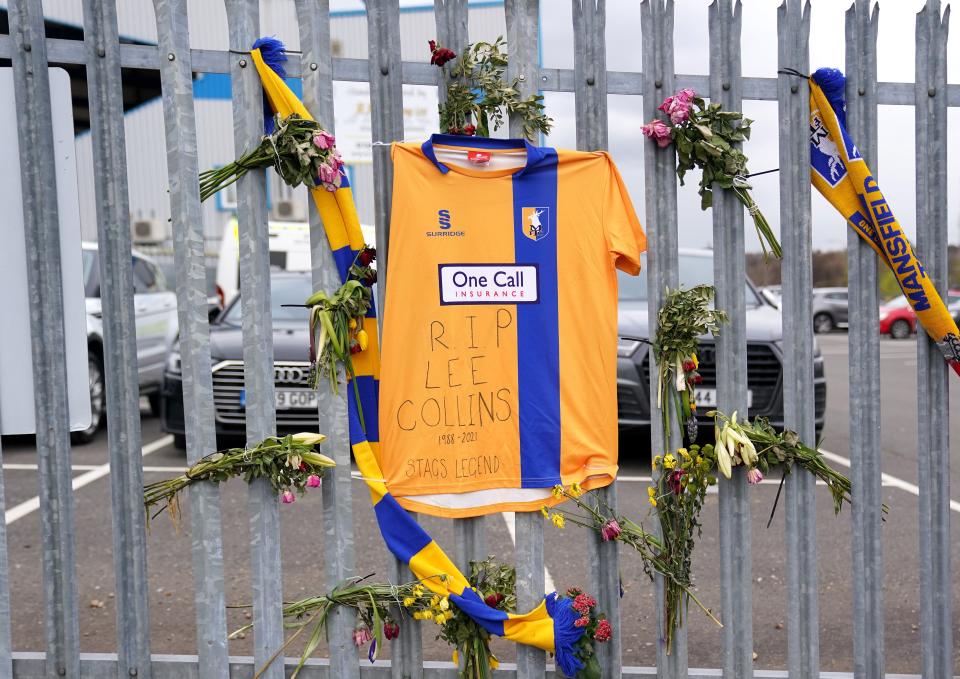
(625, 237)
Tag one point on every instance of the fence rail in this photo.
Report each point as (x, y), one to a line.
(591, 83)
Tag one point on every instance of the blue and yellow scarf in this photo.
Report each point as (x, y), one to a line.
(550, 626)
(841, 175)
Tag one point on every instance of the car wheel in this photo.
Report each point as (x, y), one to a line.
(900, 330)
(98, 402)
(180, 441)
(823, 323)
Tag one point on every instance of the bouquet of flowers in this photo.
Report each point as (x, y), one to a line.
(683, 318)
(290, 463)
(708, 137)
(336, 331)
(678, 498)
(372, 603)
(477, 94)
(301, 151)
(496, 583)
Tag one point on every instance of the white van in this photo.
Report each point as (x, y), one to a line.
(289, 251)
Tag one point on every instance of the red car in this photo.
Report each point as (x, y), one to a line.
(898, 320)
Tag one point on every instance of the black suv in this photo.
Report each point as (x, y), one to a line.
(764, 351)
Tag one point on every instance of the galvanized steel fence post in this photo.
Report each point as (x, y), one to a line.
(793, 96)
(120, 335)
(865, 448)
(729, 270)
(206, 542)
(590, 94)
(45, 297)
(523, 38)
(6, 662)
(451, 20)
(933, 375)
(660, 193)
(260, 407)
(386, 113)
(339, 562)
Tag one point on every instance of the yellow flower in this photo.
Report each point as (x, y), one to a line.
(558, 491)
(558, 520)
(408, 601)
(651, 491)
(456, 657)
(444, 604)
(683, 452)
(696, 363)
(656, 461)
(362, 339)
(418, 590)
(438, 618)
(669, 461)
(576, 490)
(653, 502)
(448, 615)
(543, 510)
(435, 600)
(353, 324)
(494, 663)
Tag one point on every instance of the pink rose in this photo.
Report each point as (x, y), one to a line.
(678, 106)
(313, 481)
(324, 140)
(754, 476)
(336, 160)
(362, 635)
(287, 497)
(658, 131)
(326, 173)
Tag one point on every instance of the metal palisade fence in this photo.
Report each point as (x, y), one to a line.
(103, 55)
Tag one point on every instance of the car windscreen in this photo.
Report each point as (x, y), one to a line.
(694, 270)
(283, 290)
(91, 276)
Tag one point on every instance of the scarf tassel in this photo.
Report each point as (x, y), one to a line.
(832, 83)
(566, 634)
(275, 56)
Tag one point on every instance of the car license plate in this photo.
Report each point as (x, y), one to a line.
(296, 399)
(707, 398)
(288, 399)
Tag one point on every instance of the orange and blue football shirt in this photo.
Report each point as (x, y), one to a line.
(498, 376)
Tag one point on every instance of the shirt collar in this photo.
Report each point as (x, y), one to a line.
(534, 153)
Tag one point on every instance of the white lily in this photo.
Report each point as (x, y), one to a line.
(309, 438)
(724, 462)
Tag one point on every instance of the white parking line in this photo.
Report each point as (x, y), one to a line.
(510, 519)
(887, 479)
(98, 472)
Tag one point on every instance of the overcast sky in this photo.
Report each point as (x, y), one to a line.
(895, 170)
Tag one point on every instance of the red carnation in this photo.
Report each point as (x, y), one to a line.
(391, 630)
(355, 348)
(604, 631)
(366, 256)
(689, 366)
(493, 600)
(469, 130)
(696, 378)
(439, 55)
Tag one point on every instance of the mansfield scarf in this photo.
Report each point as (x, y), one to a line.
(550, 626)
(841, 175)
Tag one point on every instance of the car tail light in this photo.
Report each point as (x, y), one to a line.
(220, 296)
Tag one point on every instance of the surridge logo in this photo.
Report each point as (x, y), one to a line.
(445, 224)
(444, 216)
(535, 222)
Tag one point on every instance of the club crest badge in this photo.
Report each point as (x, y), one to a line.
(535, 222)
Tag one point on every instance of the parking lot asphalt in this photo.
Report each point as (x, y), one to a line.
(171, 583)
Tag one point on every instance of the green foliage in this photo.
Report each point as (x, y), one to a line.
(477, 91)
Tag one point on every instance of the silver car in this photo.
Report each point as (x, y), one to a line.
(155, 310)
(830, 308)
